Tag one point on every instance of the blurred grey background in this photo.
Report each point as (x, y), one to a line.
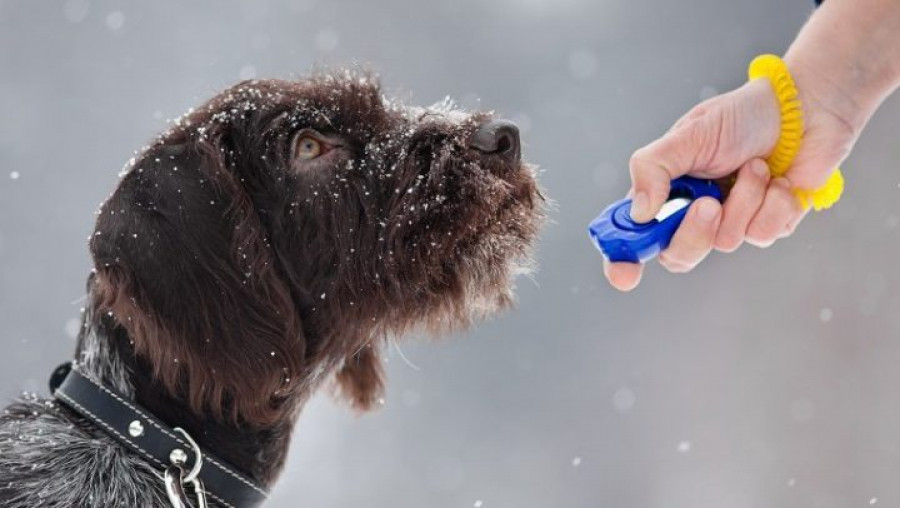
(766, 378)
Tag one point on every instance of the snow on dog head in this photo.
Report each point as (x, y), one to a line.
(278, 232)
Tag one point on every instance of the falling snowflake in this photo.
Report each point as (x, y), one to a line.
(623, 400)
(115, 20)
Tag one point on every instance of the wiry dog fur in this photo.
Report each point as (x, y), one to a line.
(233, 276)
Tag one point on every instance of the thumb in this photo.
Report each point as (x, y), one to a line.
(688, 147)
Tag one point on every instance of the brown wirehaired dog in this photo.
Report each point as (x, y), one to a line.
(272, 239)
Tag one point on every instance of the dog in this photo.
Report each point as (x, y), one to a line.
(271, 241)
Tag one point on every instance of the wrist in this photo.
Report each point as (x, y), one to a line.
(846, 60)
(765, 117)
(827, 89)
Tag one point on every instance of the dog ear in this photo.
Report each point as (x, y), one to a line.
(183, 263)
(361, 379)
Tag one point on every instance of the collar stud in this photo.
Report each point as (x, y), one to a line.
(136, 428)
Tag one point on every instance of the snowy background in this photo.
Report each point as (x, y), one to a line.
(766, 378)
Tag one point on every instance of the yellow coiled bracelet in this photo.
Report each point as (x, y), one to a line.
(788, 144)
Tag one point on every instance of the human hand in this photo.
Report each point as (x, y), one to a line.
(727, 136)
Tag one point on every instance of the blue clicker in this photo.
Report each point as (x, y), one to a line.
(623, 240)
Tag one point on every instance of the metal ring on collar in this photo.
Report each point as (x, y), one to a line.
(198, 461)
(174, 481)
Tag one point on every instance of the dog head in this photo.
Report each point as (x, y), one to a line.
(278, 232)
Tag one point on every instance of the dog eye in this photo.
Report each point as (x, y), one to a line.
(308, 147)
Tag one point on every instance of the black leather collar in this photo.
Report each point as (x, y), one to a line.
(150, 438)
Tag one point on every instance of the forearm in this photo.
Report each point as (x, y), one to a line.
(847, 57)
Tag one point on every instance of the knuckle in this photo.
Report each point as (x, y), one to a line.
(769, 229)
(728, 242)
(788, 230)
(644, 170)
(696, 239)
(791, 225)
(763, 233)
(638, 161)
(759, 241)
(769, 224)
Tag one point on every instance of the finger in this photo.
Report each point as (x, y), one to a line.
(677, 153)
(792, 226)
(815, 162)
(779, 210)
(623, 276)
(694, 238)
(743, 202)
(811, 174)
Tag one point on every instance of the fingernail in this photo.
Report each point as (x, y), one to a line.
(761, 169)
(707, 211)
(639, 205)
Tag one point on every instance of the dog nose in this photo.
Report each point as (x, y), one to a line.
(498, 137)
